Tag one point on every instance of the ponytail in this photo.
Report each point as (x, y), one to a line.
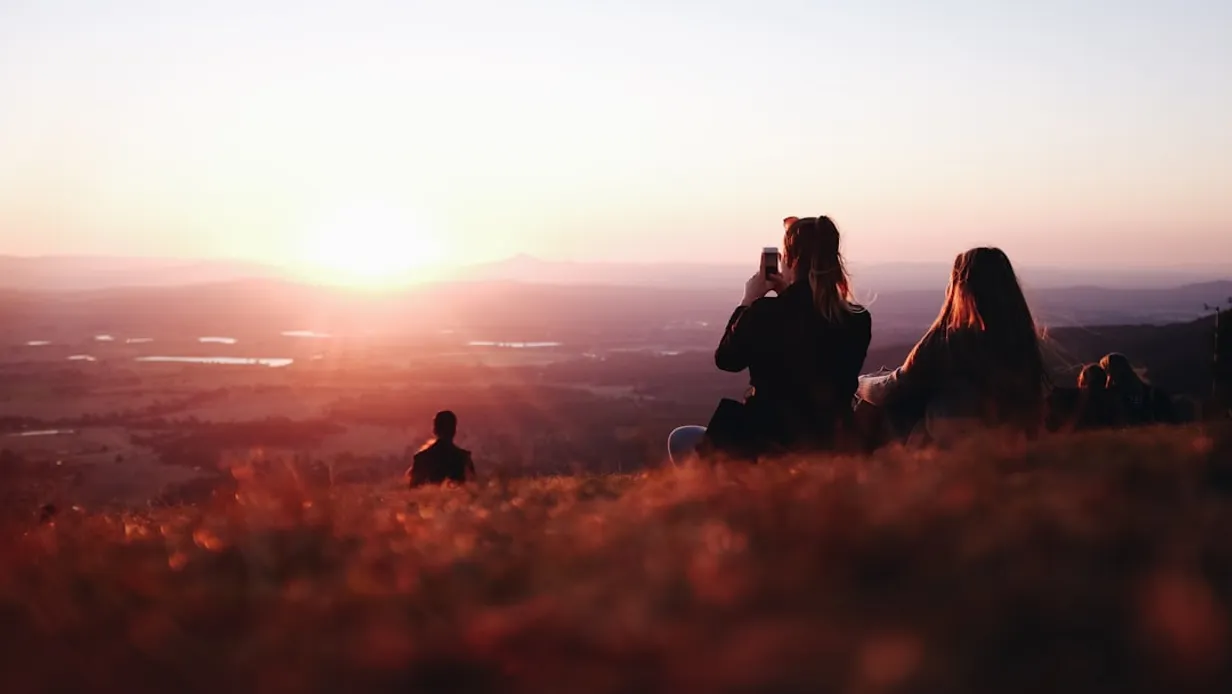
(813, 243)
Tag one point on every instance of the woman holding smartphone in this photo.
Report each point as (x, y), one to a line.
(803, 348)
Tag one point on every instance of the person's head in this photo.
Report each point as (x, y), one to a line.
(811, 251)
(445, 425)
(1120, 371)
(1092, 377)
(984, 295)
(986, 311)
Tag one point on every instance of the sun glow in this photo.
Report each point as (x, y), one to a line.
(371, 244)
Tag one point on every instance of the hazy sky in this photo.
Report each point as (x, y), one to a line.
(1067, 132)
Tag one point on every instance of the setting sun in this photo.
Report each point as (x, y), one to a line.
(370, 244)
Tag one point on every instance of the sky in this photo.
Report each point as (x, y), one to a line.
(463, 131)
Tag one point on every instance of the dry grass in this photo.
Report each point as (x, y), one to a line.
(1094, 563)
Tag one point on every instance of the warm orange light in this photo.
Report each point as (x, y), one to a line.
(370, 244)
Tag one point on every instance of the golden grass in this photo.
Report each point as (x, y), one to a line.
(1090, 563)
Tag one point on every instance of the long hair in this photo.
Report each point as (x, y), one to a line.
(987, 332)
(1092, 377)
(1120, 371)
(811, 245)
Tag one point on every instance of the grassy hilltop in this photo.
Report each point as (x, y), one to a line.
(1094, 563)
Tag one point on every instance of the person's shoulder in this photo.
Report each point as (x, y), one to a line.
(859, 315)
(451, 450)
(758, 311)
(766, 303)
(856, 319)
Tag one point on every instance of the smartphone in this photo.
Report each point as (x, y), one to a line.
(770, 261)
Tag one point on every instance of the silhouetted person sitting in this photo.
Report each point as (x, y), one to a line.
(442, 461)
(1143, 403)
(979, 365)
(1096, 407)
(803, 348)
(1222, 366)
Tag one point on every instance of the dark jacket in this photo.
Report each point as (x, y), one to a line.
(958, 377)
(1070, 408)
(803, 370)
(1100, 409)
(441, 462)
(1145, 405)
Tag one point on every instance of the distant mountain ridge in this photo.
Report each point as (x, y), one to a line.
(84, 273)
(510, 310)
(875, 277)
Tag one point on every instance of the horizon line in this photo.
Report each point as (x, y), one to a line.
(221, 259)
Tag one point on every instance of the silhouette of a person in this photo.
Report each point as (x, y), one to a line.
(1223, 363)
(979, 364)
(803, 349)
(1144, 403)
(442, 461)
(1097, 407)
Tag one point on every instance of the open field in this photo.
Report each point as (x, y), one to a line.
(243, 528)
(1094, 563)
(125, 434)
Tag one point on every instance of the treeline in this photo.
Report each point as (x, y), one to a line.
(155, 415)
(202, 444)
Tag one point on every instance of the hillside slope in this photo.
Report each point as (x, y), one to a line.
(1177, 356)
(1088, 564)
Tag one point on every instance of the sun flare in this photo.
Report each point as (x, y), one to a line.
(371, 244)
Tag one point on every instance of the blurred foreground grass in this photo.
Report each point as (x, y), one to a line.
(1097, 563)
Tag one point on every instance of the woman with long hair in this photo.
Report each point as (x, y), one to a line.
(979, 362)
(803, 348)
(1095, 407)
(1143, 402)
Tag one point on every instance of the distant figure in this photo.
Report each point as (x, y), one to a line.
(803, 348)
(1096, 407)
(1222, 365)
(1092, 377)
(979, 365)
(442, 461)
(1143, 402)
